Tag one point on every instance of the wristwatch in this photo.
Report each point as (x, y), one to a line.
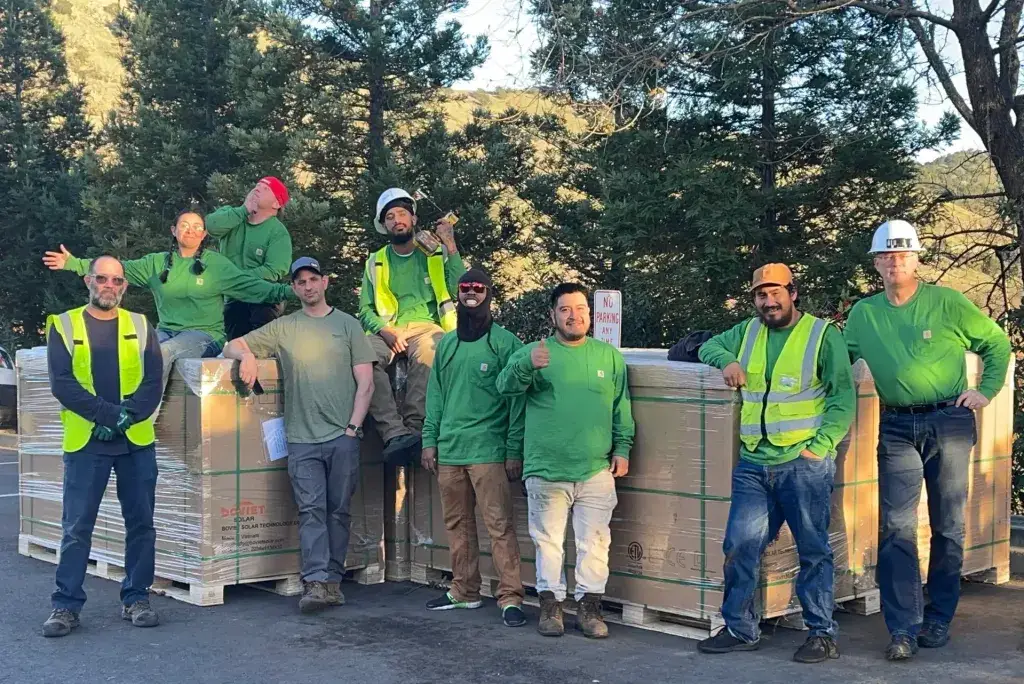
(356, 429)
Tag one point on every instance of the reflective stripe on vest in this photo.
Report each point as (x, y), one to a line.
(793, 407)
(132, 336)
(378, 272)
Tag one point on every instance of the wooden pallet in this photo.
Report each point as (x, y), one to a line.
(193, 593)
(421, 574)
(997, 575)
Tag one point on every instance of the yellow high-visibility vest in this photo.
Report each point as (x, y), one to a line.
(132, 332)
(794, 405)
(378, 272)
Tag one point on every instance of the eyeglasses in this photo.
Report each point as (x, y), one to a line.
(478, 288)
(117, 281)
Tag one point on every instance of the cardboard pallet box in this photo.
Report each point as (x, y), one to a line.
(224, 511)
(669, 525)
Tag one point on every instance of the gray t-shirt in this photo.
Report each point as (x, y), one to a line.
(317, 356)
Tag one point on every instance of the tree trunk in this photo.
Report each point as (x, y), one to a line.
(768, 138)
(377, 153)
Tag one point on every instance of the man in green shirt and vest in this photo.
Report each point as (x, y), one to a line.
(253, 238)
(913, 337)
(105, 370)
(798, 403)
(473, 441)
(579, 431)
(406, 306)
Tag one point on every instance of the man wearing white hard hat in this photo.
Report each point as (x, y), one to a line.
(405, 307)
(913, 337)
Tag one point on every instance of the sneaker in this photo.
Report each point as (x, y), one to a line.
(334, 595)
(552, 618)
(589, 619)
(141, 614)
(817, 649)
(314, 597)
(403, 449)
(60, 623)
(933, 634)
(447, 602)
(513, 616)
(725, 642)
(902, 647)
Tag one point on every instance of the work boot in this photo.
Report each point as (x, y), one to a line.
(933, 634)
(589, 619)
(141, 614)
(314, 597)
(60, 623)
(550, 623)
(725, 642)
(902, 647)
(817, 649)
(334, 595)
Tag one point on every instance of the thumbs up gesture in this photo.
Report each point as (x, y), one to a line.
(540, 356)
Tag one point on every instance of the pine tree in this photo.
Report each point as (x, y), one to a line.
(771, 142)
(43, 133)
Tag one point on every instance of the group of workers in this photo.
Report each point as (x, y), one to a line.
(483, 411)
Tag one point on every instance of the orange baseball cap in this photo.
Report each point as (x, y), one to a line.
(772, 274)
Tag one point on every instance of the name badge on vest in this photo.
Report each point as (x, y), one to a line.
(787, 382)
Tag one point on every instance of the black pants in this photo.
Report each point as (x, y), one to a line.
(241, 318)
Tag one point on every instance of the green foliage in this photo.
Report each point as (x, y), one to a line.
(42, 132)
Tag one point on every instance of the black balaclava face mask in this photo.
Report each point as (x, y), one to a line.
(474, 323)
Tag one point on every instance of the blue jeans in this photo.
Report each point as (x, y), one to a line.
(934, 447)
(798, 493)
(185, 344)
(85, 480)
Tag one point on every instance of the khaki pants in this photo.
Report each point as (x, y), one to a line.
(461, 488)
(421, 338)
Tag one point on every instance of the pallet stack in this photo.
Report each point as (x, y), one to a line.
(225, 513)
(667, 530)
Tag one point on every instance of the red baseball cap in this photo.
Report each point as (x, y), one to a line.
(278, 188)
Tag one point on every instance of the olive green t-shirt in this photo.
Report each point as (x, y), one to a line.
(316, 356)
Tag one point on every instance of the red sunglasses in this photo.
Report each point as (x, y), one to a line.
(478, 288)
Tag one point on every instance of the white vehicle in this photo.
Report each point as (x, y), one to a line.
(8, 389)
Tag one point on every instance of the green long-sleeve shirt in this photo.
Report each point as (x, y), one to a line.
(263, 250)
(915, 351)
(466, 419)
(836, 376)
(578, 411)
(410, 283)
(193, 302)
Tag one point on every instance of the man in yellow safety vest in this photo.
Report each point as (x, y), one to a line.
(106, 372)
(405, 306)
(795, 379)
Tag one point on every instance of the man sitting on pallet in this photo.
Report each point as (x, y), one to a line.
(405, 307)
(106, 371)
(327, 366)
(798, 403)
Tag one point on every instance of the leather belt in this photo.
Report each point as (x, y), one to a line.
(921, 408)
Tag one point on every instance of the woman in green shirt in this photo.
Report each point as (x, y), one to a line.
(190, 285)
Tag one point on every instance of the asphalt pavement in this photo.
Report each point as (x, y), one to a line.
(383, 636)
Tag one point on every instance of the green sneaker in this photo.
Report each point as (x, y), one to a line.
(446, 602)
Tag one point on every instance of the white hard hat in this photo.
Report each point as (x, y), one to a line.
(386, 198)
(895, 236)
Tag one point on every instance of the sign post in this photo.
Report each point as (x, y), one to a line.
(608, 317)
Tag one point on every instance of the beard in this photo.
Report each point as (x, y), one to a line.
(569, 335)
(783, 320)
(104, 301)
(312, 299)
(401, 238)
